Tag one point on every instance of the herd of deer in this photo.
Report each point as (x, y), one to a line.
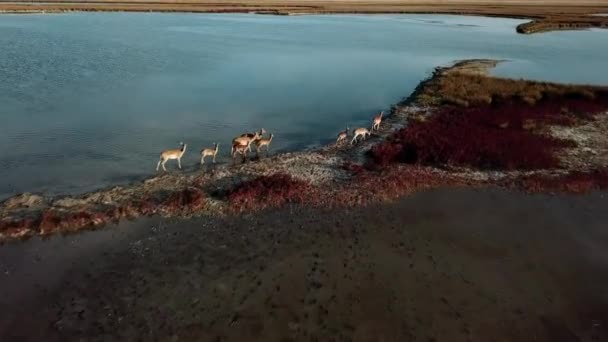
(242, 144)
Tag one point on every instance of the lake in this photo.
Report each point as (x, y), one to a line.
(88, 100)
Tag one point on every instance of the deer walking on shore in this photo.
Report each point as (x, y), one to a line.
(210, 152)
(170, 155)
(246, 140)
(360, 132)
(377, 120)
(342, 136)
(254, 137)
(240, 149)
(263, 142)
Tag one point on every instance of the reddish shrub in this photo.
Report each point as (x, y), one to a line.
(398, 181)
(114, 213)
(269, 191)
(389, 151)
(392, 182)
(353, 168)
(50, 221)
(145, 206)
(187, 200)
(77, 220)
(22, 227)
(574, 182)
(499, 136)
(53, 220)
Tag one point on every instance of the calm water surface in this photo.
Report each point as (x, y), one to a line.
(89, 100)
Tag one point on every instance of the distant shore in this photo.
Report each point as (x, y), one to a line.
(460, 128)
(545, 15)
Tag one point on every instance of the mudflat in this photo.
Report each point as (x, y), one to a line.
(443, 265)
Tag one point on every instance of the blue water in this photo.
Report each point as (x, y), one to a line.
(88, 100)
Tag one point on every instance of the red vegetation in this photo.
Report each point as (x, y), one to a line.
(354, 168)
(22, 227)
(269, 191)
(574, 182)
(50, 221)
(392, 182)
(499, 136)
(183, 202)
(55, 220)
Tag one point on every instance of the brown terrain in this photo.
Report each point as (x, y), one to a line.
(545, 15)
(444, 265)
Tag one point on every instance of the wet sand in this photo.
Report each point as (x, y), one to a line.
(445, 265)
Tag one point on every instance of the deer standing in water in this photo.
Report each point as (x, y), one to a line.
(376, 121)
(342, 136)
(171, 154)
(209, 152)
(360, 132)
(263, 142)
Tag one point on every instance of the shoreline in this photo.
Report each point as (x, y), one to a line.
(551, 16)
(340, 176)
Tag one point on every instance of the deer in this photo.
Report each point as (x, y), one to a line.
(246, 140)
(342, 136)
(240, 149)
(377, 120)
(209, 152)
(360, 132)
(254, 136)
(264, 142)
(167, 155)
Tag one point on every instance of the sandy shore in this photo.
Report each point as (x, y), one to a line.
(547, 15)
(445, 265)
